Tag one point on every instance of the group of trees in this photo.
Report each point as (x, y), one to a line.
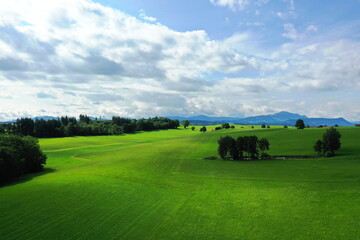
(203, 129)
(247, 147)
(18, 156)
(225, 126)
(85, 126)
(329, 144)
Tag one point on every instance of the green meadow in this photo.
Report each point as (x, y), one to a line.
(158, 185)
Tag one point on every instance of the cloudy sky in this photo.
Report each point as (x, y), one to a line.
(141, 58)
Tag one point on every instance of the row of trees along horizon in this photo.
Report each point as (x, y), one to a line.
(84, 126)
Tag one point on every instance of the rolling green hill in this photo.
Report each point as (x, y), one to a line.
(157, 185)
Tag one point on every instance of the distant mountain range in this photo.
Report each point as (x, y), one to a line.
(281, 118)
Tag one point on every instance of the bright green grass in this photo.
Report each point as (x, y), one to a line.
(157, 185)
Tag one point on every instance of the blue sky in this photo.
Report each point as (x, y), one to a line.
(143, 58)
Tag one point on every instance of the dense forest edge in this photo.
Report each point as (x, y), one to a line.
(84, 126)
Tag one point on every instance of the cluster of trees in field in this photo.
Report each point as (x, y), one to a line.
(247, 147)
(225, 126)
(84, 126)
(18, 156)
(329, 144)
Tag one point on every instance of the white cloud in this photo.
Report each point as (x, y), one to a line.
(252, 24)
(236, 5)
(286, 15)
(99, 61)
(145, 17)
(291, 32)
(262, 2)
(312, 28)
(232, 4)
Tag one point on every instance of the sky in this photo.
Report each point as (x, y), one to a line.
(144, 58)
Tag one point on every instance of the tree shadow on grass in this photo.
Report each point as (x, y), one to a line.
(26, 177)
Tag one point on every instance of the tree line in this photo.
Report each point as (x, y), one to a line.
(247, 147)
(18, 156)
(84, 126)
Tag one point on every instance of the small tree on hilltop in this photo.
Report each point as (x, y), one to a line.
(329, 144)
(185, 123)
(300, 124)
(193, 128)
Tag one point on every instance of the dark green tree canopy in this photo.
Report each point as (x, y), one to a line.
(329, 144)
(68, 126)
(203, 129)
(225, 125)
(185, 123)
(18, 156)
(300, 124)
(227, 147)
(244, 147)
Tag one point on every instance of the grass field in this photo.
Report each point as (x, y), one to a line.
(157, 185)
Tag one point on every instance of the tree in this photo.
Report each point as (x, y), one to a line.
(251, 144)
(318, 147)
(232, 126)
(285, 126)
(241, 146)
(227, 148)
(263, 126)
(263, 144)
(203, 129)
(193, 128)
(300, 124)
(185, 123)
(69, 130)
(329, 144)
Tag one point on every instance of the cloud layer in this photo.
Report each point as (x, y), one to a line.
(77, 56)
